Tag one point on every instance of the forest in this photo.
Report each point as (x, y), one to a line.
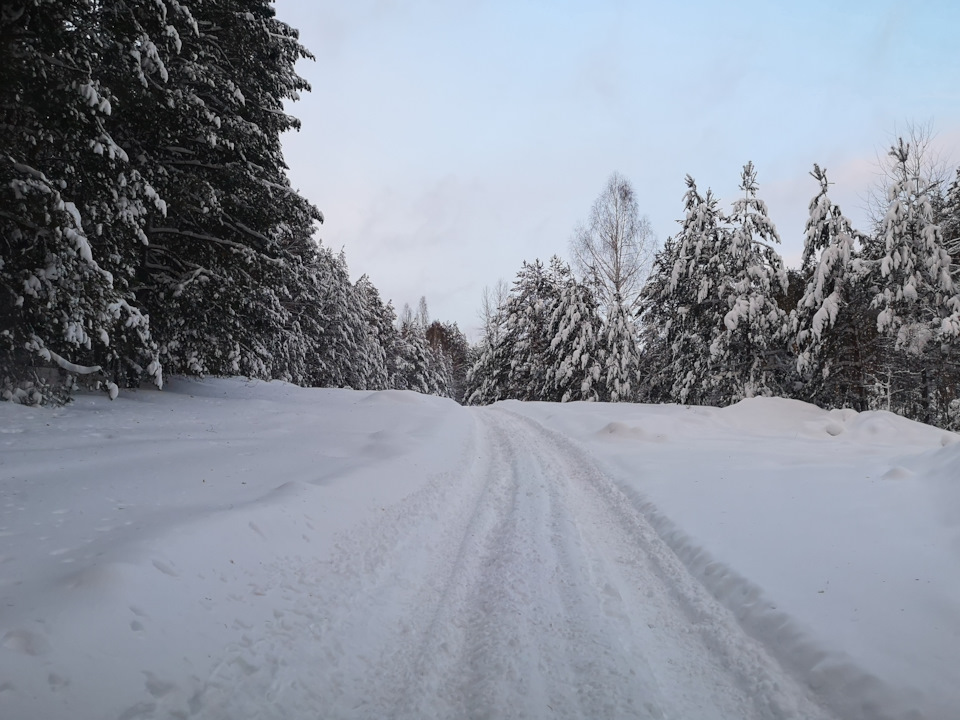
(148, 228)
(870, 321)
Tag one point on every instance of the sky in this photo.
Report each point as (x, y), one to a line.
(448, 141)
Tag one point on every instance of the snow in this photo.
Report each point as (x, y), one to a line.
(833, 536)
(229, 548)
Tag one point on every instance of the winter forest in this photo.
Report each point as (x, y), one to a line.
(149, 228)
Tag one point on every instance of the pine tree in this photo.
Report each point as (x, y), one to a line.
(950, 226)
(619, 356)
(950, 229)
(418, 367)
(341, 326)
(447, 341)
(915, 285)
(693, 289)
(915, 265)
(73, 205)
(215, 274)
(729, 330)
(513, 359)
(833, 338)
(659, 315)
(378, 331)
(529, 307)
(748, 356)
(488, 376)
(573, 364)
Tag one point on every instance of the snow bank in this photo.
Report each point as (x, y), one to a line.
(136, 536)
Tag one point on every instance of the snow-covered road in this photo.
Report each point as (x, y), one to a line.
(227, 549)
(526, 586)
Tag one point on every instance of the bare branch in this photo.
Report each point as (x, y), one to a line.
(615, 248)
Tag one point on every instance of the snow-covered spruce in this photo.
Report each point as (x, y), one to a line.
(725, 275)
(832, 321)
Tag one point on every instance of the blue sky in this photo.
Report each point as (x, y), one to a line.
(448, 141)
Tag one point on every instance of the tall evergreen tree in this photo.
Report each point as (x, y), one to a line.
(915, 265)
(725, 278)
(915, 284)
(693, 289)
(72, 204)
(619, 356)
(514, 356)
(659, 317)
(573, 369)
(213, 274)
(378, 333)
(529, 307)
(448, 342)
(488, 376)
(950, 225)
(832, 320)
(749, 356)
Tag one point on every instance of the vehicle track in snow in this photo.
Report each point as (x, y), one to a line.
(524, 586)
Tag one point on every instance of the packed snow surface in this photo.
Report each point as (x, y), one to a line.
(230, 549)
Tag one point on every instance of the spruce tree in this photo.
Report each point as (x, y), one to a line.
(693, 289)
(619, 356)
(748, 357)
(529, 307)
(378, 331)
(214, 275)
(659, 316)
(573, 366)
(916, 287)
(831, 321)
(487, 378)
(73, 204)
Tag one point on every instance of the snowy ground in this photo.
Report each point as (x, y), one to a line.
(230, 549)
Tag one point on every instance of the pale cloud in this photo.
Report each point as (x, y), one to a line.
(446, 142)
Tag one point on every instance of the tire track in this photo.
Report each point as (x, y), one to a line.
(525, 585)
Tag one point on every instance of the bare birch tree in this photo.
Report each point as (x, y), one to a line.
(615, 248)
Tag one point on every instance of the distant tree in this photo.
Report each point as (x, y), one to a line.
(513, 357)
(423, 314)
(615, 247)
(486, 378)
(535, 294)
(416, 365)
(379, 332)
(449, 343)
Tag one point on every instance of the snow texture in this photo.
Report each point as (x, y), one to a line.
(229, 549)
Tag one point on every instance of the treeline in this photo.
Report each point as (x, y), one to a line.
(147, 223)
(869, 321)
